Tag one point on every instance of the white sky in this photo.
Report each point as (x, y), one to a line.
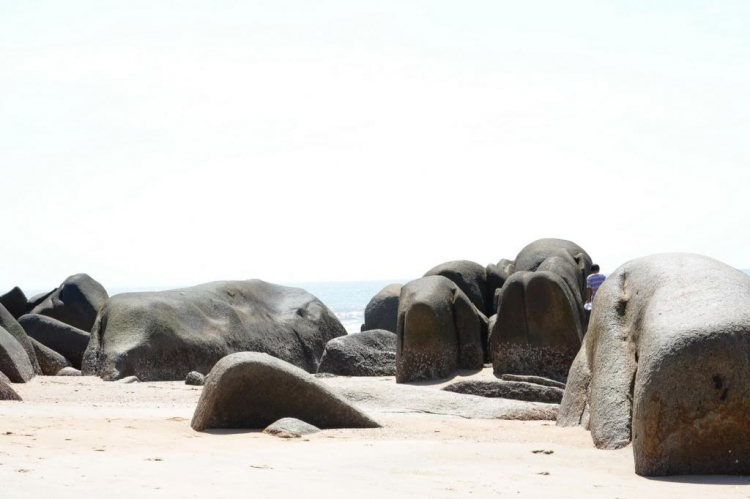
(177, 142)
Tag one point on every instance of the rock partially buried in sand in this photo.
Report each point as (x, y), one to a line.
(516, 390)
(439, 331)
(49, 361)
(69, 371)
(162, 336)
(8, 393)
(290, 428)
(252, 390)
(368, 353)
(129, 379)
(665, 365)
(382, 310)
(68, 341)
(76, 302)
(195, 378)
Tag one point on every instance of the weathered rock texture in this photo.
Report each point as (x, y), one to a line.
(516, 390)
(64, 339)
(382, 310)
(537, 380)
(76, 302)
(665, 365)
(165, 335)
(195, 379)
(290, 428)
(439, 331)
(540, 318)
(368, 353)
(252, 390)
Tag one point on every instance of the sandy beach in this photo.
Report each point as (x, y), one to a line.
(72, 437)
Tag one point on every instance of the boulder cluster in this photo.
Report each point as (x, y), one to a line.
(663, 362)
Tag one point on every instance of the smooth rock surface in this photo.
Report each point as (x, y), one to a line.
(68, 371)
(164, 335)
(367, 353)
(252, 390)
(538, 380)
(76, 302)
(49, 361)
(382, 310)
(664, 365)
(15, 302)
(68, 341)
(11, 325)
(471, 278)
(8, 393)
(14, 362)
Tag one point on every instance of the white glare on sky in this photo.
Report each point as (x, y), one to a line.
(172, 143)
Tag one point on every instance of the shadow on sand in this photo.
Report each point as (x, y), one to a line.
(703, 479)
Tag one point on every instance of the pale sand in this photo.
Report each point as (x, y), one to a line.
(80, 437)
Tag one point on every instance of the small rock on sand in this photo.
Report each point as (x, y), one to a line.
(290, 428)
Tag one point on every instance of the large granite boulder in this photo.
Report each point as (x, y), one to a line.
(15, 302)
(253, 390)
(14, 361)
(439, 331)
(11, 325)
(540, 317)
(64, 339)
(165, 335)
(368, 353)
(471, 278)
(50, 361)
(76, 302)
(664, 365)
(497, 275)
(382, 310)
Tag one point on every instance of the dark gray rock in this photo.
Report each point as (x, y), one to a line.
(471, 278)
(35, 300)
(516, 390)
(11, 325)
(8, 393)
(665, 365)
(50, 361)
(64, 339)
(368, 353)
(382, 310)
(165, 335)
(76, 302)
(252, 390)
(290, 428)
(540, 319)
(68, 371)
(538, 380)
(15, 302)
(195, 378)
(439, 331)
(14, 362)
(496, 277)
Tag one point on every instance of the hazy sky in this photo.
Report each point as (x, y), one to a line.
(177, 142)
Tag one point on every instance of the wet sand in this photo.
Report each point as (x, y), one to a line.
(75, 437)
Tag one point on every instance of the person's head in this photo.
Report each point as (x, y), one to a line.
(595, 269)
